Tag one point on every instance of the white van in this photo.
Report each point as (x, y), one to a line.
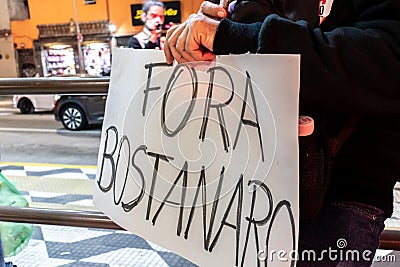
(29, 103)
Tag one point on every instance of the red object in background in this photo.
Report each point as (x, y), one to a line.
(79, 37)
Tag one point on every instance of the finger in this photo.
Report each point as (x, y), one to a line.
(202, 55)
(208, 56)
(181, 44)
(171, 38)
(213, 10)
(167, 53)
(199, 43)
(167, 50)
(198, 52)
(173, 41)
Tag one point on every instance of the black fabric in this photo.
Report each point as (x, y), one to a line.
(243, 38)
(134, 43)
(315, 165)
(349, 64)
(246, 11)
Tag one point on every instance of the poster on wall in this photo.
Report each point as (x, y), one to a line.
(172, 13)
(202, 158)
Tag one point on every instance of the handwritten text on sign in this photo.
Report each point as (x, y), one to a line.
(202, 159)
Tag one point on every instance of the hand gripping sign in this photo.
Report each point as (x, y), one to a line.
(202, 158)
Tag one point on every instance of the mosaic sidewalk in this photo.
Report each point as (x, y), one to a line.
(56, 186)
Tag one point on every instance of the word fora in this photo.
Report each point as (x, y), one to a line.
(209, 239)
(209, 105)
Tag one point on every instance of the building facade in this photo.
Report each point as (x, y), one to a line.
(74, 36)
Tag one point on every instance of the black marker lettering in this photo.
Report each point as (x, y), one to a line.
(283, 203)
(153, 182)
(251, 221)
(170, 85)
(218, 107)
(202, 184)
(239, 191)
(183, 173)
(124, 140)
(133, 203)
(109, 157)
(215, 206)
(251, 123)
(114, 169)
(150, 66)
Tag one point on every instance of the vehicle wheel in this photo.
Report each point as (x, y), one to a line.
(73, 118)
(26, 106)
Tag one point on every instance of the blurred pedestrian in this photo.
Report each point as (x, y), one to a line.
(153, 19)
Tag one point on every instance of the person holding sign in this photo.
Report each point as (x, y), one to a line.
(349, 65)
(153, 18)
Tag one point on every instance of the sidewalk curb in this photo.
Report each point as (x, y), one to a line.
(61, 131)
(6, 101)
(6, 104)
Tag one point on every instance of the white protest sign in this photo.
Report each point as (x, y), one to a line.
(203, 159)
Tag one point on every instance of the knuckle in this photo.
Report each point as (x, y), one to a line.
(203, 5)
(194, 16)
(169, 32)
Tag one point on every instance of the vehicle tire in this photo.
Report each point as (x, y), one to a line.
(73, 118)
(26, 106)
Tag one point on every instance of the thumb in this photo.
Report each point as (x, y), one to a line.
(212, 10)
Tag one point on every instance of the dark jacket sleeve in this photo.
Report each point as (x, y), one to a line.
(134, 43)
(346, 65)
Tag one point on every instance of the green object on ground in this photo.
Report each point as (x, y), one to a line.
(15, 236)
